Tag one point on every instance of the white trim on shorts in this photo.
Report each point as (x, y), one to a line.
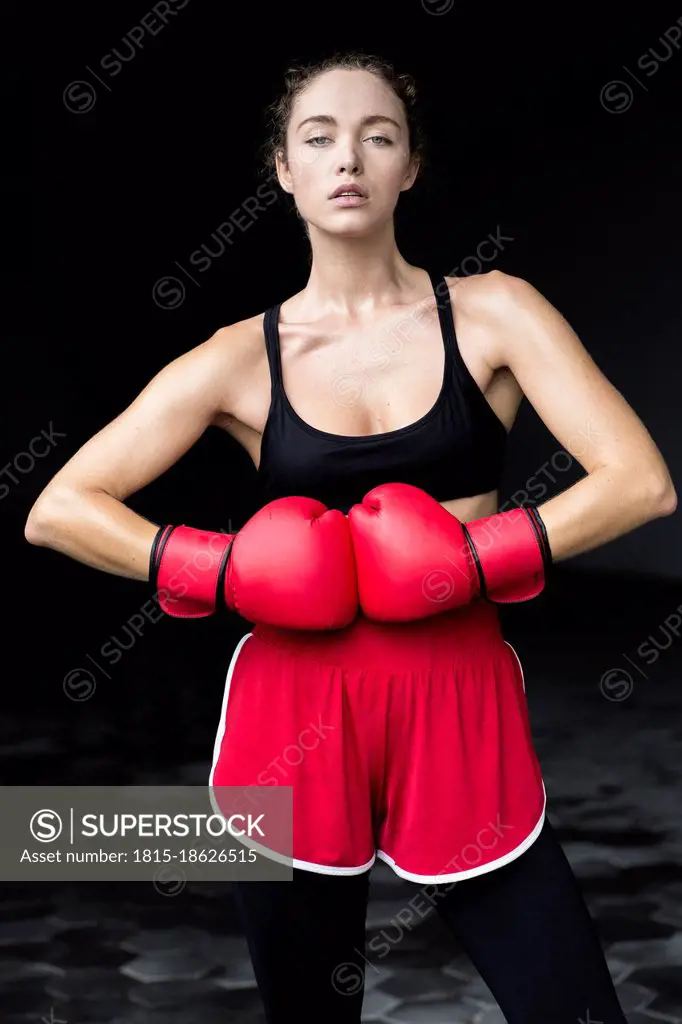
(223, 711)
(518, 660)
(328, 869)
(481, 869)
(280, 858)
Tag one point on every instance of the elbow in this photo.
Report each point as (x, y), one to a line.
(37, 528)
(34, 528)
(662, 497)
(42, 525)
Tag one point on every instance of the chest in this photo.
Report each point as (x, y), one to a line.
(365, 380)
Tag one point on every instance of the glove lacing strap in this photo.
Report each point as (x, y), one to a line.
(540, 532)
(156, 553)
(220, 584)
(533, 514)
(477, 562)
(156, 556)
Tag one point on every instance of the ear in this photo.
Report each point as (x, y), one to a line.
(410, 174)
(283, 172)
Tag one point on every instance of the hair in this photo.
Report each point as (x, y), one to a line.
(298, 77)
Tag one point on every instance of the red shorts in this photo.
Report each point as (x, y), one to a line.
(406, 742)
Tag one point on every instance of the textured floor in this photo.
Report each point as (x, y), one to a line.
(612, 763)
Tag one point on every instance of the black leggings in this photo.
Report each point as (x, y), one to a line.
(525, 927)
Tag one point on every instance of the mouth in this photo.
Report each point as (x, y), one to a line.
(348, 191)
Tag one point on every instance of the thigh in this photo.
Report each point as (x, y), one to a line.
(307, 940)
(527, 929)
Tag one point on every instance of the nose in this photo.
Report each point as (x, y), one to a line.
(348, 157)
(349, 167)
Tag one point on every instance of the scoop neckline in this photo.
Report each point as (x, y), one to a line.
(397, 432)
(384, 434)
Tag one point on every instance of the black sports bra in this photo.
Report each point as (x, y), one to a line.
(456, 450)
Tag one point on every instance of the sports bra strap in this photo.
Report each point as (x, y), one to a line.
(271, 332)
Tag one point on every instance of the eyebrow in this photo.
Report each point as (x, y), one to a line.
(370, 119)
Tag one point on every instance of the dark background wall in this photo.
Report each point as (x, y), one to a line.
(557, 128)
(120, 171)
(556, 133)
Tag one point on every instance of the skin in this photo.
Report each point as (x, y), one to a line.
(362, 353)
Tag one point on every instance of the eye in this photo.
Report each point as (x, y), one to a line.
(381, 138)
(316, 138)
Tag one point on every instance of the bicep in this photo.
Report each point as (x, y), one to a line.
(583, 410)
(153, 432)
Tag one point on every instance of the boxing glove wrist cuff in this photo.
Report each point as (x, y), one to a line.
(187, 569)
(511, 554)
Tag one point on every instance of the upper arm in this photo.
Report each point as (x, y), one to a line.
(158, 427)
(582, 409)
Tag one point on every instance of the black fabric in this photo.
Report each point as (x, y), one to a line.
(455, 450)
(525, 926)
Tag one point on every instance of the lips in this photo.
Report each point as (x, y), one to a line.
(352, 190)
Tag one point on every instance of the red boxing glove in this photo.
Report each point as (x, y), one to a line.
(184, 567)
(291, 565)
(414, 559)
(512, 554)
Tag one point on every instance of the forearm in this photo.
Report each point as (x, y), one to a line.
(512, 549)
(602, 506)
(291, 565)
(96, 529)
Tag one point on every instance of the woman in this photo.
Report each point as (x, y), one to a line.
(417, 747)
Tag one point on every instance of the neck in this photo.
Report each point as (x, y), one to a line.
(353, 277)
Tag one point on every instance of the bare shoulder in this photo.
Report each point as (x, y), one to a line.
(503, 311)
(492, 294)
(231, 356)
(239, 342)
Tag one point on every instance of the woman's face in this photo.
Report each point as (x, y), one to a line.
(347, 127)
